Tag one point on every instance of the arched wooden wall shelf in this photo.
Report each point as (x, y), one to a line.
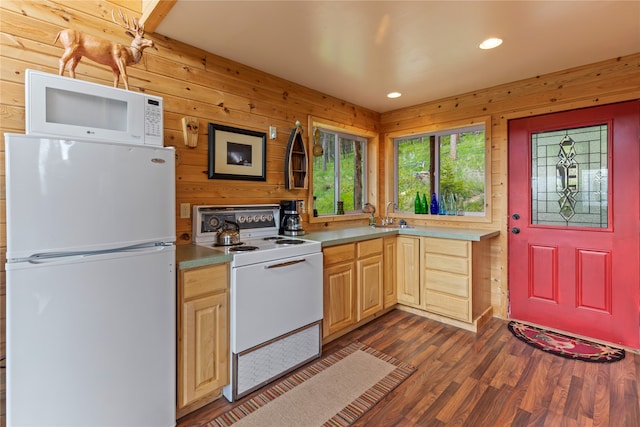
(296, 162)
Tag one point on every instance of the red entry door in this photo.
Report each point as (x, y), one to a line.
(574, 221)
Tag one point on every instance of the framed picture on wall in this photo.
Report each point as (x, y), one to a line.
(237, 153)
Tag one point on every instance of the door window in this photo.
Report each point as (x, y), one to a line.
(570, 177)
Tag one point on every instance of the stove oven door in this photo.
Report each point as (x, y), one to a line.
(273, 298)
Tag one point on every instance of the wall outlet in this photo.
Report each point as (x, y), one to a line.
(185, 210)
(273, 133)
(302, 207)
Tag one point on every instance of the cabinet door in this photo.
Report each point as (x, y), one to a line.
(390, 271)
(370, 298)
(408, 270)
(205, 347)
(339, 297)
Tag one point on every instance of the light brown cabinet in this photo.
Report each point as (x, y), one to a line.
(444, 279)
(390, 261)
(369, 277)
(203, 335)
(353, 284)
(408, 270)
(456, 278)
(339, 283)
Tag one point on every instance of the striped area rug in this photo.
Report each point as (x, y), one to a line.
(332, 392)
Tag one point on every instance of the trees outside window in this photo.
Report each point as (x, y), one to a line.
(339, 175)
(450, 163)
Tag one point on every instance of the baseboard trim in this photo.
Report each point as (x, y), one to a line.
(474, 326)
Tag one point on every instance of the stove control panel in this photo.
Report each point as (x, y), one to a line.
(258, 219)
(207, 220)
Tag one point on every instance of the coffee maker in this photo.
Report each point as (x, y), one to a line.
(290, 221)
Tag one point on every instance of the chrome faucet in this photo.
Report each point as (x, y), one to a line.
(386, 220)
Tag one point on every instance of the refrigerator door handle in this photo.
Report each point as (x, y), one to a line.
(46, 257)
(38, 259)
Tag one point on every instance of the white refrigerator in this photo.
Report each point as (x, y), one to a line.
(90, 283)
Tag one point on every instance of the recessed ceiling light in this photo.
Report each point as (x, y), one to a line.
(394, 95)
(490, 43)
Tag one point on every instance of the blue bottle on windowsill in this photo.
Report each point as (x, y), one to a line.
(442, 206)
(434, 204)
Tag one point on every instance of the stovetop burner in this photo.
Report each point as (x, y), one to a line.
(289, 242)
(273, 238)
(220, 245)
(243, 248)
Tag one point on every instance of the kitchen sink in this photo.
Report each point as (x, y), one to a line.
(395, 226)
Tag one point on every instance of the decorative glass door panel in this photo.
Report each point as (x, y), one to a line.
(570, 177)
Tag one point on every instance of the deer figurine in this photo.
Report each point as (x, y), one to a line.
(78, 44)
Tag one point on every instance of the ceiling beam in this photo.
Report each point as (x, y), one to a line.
(153, 12)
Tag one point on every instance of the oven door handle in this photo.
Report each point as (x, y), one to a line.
(285, 264)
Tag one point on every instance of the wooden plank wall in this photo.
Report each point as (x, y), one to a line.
(191, 81)
(606, 82)
(214, 89)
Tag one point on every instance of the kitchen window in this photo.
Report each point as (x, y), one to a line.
(343, 170)
(450, 162)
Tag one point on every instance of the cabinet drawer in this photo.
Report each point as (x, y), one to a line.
(453, 284)
(446, 263)
(340, 253)
(369, 247)
(205, 280)
(451, 247)
(447, 305)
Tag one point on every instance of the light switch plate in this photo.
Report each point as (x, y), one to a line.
(273, 133)
(185, 210)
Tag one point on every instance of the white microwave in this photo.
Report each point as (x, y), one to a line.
(69, 108)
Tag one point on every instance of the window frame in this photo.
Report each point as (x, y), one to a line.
(391, 166)
(371, 174)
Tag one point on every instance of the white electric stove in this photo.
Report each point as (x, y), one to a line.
(275, 294)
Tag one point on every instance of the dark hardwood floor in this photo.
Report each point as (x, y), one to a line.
(485, 379)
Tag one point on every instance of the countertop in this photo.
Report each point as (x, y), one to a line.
(192, 256)
(354, 234)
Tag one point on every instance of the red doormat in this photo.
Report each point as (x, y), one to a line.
(565, 346)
